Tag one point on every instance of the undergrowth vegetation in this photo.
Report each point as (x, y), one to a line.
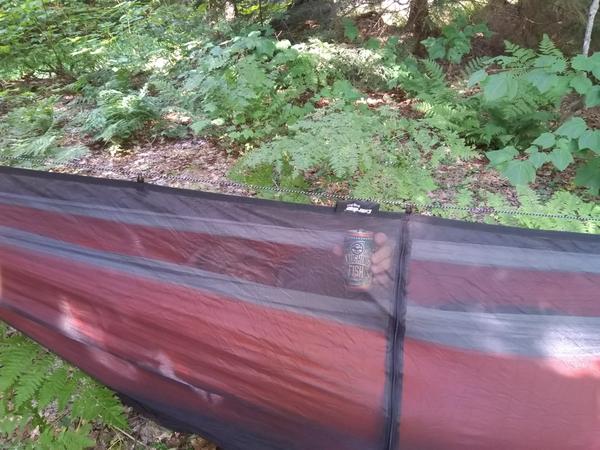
(144, 72)
(42, 396)
(336, 109)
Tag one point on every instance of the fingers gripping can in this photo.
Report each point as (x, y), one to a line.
(358, 249)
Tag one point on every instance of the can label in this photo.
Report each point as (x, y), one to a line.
(358, 249)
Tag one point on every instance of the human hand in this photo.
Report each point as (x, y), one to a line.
(381, 260)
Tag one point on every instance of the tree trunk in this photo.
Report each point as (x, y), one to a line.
(590, 26)
(417, 16)
(417, 23)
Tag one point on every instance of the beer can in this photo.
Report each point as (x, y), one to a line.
(358, 249)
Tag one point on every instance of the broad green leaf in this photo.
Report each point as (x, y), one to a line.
(436, 47)
(372, 44)
(572, 128)
(481, 28)
(545, 140)
(581, 83)
(542, 80)
(455, 55)
(582, 62)
(551, 63)
(498, 86)
(592, 97)
(477, 77)
(506, 154)
(596, 72)
(265, 47)
(561, 157)
(537, 158)
(343, 89)
(520, 172)
(589, 176)
(590, 140)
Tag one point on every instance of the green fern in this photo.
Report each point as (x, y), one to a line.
(561, 202)
(548, 48)
(55, 383)
(92, 403)
(33, 131)
(15, 358)
(75, 439)
(435, 72)
(519, 56)
(31, 380)
(120, 115)
(475, 64)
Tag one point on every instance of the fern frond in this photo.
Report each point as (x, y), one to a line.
(548, 48)
(476, 64)
(55, 383)
(520, 57)
(520, 107)
(66, 393)
(30, 381)
(109, 408)
(15, 361)
(434, 71)
(95, 401)
(74, 439)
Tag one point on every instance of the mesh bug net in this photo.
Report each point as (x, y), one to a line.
(234, 318)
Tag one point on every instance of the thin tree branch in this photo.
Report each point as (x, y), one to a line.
(590, 26)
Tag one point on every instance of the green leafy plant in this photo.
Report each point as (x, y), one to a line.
(559, 203)
(249, 88)
(57, 37)
(33, 131)
(518, 101)
(523, 99)
(455, 41)
(572, 139)
(44, 402)
(530, 212)
(351, 31)
(376, 153)
(118, 116)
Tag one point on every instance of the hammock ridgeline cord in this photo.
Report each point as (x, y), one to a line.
(404, 204)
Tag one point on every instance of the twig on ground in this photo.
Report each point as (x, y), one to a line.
(126, 434)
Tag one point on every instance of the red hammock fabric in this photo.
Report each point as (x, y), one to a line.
(230, 317)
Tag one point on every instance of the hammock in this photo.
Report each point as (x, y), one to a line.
(232, 318)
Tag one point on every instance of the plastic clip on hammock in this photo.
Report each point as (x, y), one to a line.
(232, 317)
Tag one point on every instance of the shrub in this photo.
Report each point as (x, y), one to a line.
(523, 101)
(455, 41)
